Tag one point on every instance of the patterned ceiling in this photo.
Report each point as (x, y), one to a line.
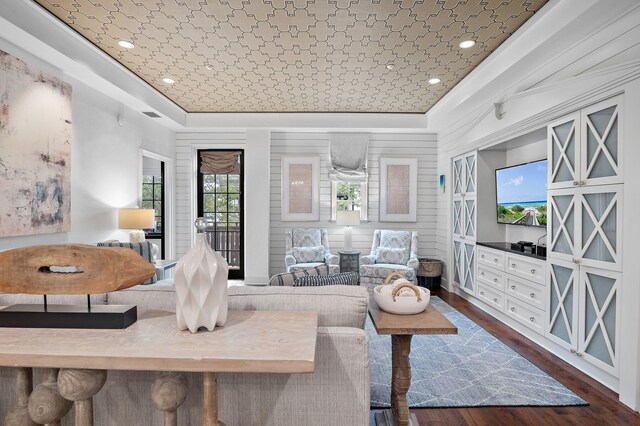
(298, 55)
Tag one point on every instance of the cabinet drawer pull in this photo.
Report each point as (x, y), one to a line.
(482, 293)
(533, 295)
(513, 309)
(495, 280)
(513, 265)
(532, 319)
(495, 260)
(579, 354)
(576, 261)
(533, 271)
(482, 256)
(513, 287)
(482, 273)
(495, 299)
(573, 351)
(576, 183)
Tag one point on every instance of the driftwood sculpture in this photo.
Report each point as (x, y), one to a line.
(71, 269)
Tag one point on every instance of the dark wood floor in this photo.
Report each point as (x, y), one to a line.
(603, 409)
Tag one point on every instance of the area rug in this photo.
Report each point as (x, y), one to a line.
(470, 369)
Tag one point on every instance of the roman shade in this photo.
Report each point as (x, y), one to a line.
(220, 162)
(349, 158)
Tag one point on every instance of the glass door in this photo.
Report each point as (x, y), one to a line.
(220, 202)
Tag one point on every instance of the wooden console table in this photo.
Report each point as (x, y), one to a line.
(402, 328)
(250, 342)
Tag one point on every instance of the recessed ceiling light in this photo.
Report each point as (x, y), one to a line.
(434, 80)
(168, 80)
(390, 67)
(125, 44)
(467, 44)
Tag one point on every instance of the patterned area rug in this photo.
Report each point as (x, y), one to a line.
(470, 369)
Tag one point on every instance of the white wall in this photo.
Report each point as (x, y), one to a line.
(105, 161)
(418, 145)
(255, 143)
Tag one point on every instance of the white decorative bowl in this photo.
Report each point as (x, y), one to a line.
(403, 305)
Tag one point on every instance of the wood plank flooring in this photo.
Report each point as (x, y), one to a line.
(603, 409)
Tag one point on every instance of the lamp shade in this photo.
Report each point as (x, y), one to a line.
(347, 217)
(136, 218)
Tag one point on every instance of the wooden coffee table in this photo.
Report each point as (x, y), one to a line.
(402, 328)
(250, 342)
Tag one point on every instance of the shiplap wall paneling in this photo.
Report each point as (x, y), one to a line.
(421, 146)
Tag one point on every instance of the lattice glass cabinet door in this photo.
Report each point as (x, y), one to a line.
(598, 336)
(468, 267)
(458, 176)
(563, 152)
(469, 217)
(601, 151)
(600, 226)
(562, 224)
(457, 217)
(457, 262)
(470, 174)
(562, 303)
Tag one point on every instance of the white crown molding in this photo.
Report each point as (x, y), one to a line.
(34, 30)
(572, 46)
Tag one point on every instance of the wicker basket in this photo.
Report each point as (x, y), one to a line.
(429, 267)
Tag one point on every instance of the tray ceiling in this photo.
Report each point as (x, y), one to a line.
(297, 55)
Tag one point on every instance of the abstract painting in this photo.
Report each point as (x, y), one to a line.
(35, 150)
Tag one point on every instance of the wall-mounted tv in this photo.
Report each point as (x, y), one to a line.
(521, 193)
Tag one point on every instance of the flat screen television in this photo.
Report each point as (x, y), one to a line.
(521, 193)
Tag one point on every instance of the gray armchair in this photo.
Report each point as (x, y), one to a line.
(307, 248)
(391, 251)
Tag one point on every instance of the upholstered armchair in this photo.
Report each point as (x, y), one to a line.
(391, 251)
(307, 248)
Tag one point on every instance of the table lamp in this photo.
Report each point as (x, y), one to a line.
(137, 220)
(347, 218)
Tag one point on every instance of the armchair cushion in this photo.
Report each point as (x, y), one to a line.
(381, 270)
(367, 260)
(288, 278)
(397, 256)
(308, 254)
(345, 278)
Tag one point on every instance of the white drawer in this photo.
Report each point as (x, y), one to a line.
(491, 277)
(529, 292)
(491, 257)
(526, 267)
(491, 296)
(525, 314)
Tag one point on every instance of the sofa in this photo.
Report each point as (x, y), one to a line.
(337, 393)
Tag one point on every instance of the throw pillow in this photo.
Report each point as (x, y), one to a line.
(144, 249)
(288, 278)
(395, 256)
(345, 278)
(308, 254)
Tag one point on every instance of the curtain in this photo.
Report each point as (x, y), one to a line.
(220, 162)
(349, 158)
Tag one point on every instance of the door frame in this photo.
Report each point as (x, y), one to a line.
(199, 210)
(168, 199)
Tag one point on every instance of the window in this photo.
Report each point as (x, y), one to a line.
(349, 196)
(152, 198)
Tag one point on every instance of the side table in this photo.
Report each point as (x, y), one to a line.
(402, 328)
(162, 266)
(349, 261)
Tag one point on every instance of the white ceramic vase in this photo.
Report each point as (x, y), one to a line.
(201, 286)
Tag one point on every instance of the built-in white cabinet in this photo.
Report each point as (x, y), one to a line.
(582, 312)
(585, 148)
(584, 204)
(464, 221)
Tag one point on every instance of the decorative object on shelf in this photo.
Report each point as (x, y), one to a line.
(348, 218)
(201, 286)
(137, 220)
(300, 188)
(36, 133)
(70, 269)
(429, 272)
(401, 297)
(398, 189)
